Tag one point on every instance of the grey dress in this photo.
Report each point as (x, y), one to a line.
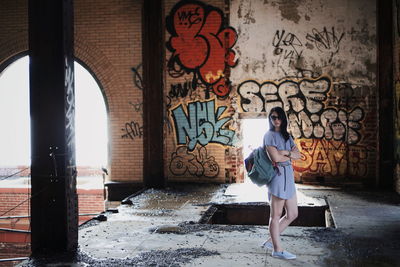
(282, 185)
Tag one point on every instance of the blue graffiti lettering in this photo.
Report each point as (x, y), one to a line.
(201, 125)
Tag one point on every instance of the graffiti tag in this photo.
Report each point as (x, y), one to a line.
(196, 164)
(181, 90)
(137, 107)
(132, 130)
(286, 43)
(304, 103)
(137, 77)
(331, 158)
(325, 40)
(201, 44)
(202, 124)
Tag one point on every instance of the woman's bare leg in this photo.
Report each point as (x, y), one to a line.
(277, 205)
(291, 214)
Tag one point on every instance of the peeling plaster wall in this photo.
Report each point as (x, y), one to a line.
(279, 38)
(317, 59)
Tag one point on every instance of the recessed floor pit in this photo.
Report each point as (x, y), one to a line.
(258, 214)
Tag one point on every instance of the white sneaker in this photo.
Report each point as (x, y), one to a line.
(283, 255)
(267, 245)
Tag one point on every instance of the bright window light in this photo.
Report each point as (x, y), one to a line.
(90, 120)
(90, 117)
(253, 133)
(15, 148)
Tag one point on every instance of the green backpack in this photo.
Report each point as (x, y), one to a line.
(259, 167)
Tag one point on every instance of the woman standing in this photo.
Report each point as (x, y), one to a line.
(281, 191)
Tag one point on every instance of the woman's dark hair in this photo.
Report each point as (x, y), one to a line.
(282, 116)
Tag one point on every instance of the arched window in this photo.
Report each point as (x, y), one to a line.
(14, 115)
(90, 118)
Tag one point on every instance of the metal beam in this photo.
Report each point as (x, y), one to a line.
(385, 155)
(54, 208)
(153, 36)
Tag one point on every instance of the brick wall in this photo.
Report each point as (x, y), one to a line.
(10, 198)
(199, 128)
(90, 201)
(18, 244)
(25, 171)
(108, 43)
(13, 251)
(13, 30)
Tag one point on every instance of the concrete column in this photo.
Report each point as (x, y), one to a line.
(54, 208)
(153, 33)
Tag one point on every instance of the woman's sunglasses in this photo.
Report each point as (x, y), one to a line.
(274, 117)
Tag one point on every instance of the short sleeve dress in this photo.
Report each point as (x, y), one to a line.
(282, 185)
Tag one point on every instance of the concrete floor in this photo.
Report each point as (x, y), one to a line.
(160, 228)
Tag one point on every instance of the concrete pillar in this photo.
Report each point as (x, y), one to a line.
(54, 204)
(153, 33)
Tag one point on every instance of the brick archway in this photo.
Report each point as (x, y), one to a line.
(12, 49)
(98, 66)
(86, 55)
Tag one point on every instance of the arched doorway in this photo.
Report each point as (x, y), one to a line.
(90, 130)
(90, 122)
(90, 117)
(14, 116)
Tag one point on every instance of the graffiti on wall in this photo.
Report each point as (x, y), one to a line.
(304, 103)
(137, 77)
(202, 124)
(133, 129)
(181, 90)
(70, 113)
(288, 47)
(309, 93)
(325, 40)
(331, 158)
(137, 107)
(201, 44)
(197, 163)
(287, 44)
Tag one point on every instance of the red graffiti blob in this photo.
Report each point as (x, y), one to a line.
(200, 44)
(190, 48)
